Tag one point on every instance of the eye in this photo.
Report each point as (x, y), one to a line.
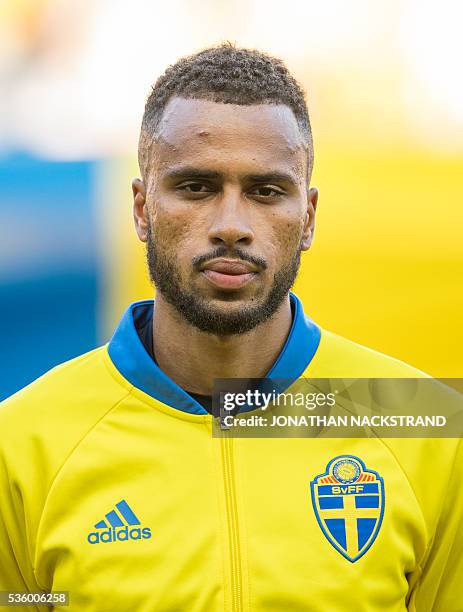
(195, 188)
(267, 192)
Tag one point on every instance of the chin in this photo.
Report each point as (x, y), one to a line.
(231, 301)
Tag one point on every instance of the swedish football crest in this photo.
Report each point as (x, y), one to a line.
(348, 500)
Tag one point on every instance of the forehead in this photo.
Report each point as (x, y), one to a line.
(229, 135)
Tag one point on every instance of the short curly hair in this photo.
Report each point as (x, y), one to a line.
(229, 75)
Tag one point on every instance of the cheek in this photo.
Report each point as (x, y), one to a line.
(287, 234)
(170, 230)
(181, 229)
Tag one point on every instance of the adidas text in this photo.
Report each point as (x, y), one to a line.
(124, 533)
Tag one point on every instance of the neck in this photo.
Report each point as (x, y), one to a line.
(193, 359)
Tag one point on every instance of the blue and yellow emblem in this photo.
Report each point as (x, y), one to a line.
(348, 500)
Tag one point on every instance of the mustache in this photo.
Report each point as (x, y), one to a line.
(232, 254)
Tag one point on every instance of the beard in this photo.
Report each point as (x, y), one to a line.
(201, 312)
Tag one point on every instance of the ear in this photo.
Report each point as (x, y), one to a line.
(140, 211)
(309, 223)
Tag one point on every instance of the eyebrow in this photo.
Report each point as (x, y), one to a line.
(191, 172)
(272, 177)
(198, 173)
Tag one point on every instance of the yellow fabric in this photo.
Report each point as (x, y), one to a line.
(231, 521)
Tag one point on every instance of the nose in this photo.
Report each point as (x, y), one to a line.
(231, 224)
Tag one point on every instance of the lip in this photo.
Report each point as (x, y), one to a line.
(229, 273)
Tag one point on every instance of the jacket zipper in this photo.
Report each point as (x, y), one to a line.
(233, 527)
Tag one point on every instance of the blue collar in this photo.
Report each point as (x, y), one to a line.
(128, 354)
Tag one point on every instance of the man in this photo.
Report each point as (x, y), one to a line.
(112, 486)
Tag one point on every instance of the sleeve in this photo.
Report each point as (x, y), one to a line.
(16, 567)
(440, 585)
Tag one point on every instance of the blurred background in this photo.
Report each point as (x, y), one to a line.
(385, 94)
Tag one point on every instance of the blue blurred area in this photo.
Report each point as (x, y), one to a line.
(49, 266)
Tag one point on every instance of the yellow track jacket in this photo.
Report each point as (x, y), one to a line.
(113, 488)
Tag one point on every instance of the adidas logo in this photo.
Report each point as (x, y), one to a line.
(119, 525)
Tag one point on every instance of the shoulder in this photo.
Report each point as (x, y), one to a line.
(42, 422)
(75, 384)
(423, 459)
(337, 356)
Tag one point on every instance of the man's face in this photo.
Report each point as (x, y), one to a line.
(227, 211)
